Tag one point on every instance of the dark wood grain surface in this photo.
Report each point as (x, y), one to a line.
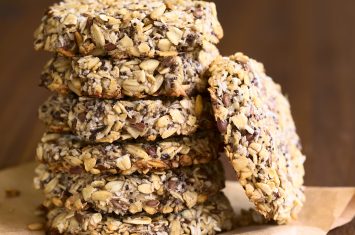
(307, 46)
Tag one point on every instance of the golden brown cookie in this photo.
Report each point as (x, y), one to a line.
(259, 134)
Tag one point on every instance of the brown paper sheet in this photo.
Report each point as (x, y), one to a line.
(325, 208)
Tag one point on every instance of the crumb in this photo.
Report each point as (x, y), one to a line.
(12, 193)
(35, 226)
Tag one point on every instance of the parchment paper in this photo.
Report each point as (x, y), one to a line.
(325, 208)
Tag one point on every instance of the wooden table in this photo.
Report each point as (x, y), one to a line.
(307, 46)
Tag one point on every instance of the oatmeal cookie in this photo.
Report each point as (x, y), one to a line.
(91, 76)
(259, 134)
(159, 192)
(67, 153)
(111, 120)
(215, 216)
(130, 28)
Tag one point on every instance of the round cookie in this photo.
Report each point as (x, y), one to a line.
(67, 153)
(158, 192)
(213, 217)
(111, 120)
(109, 78)
(259, 134)
(130, 28)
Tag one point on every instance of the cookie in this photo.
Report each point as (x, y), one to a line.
(90, 76)
(131, 28)
(111, 120)
(259, 134)
(161, 192)
(215, 216)
(67, 153)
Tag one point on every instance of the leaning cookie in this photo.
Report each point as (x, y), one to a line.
(213, 217)
(111, 120)
(131, 28)
(259, 134)
(90, 76)
(161, 192)
(67, 153)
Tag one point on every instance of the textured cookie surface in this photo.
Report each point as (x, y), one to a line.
(211, 218)
(130, 28)
(90, 76)
(67, 153)
(259, 134)
(55, 110)
(109, 120)
(163, 192)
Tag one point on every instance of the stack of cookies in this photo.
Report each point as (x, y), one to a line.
(130, 147)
